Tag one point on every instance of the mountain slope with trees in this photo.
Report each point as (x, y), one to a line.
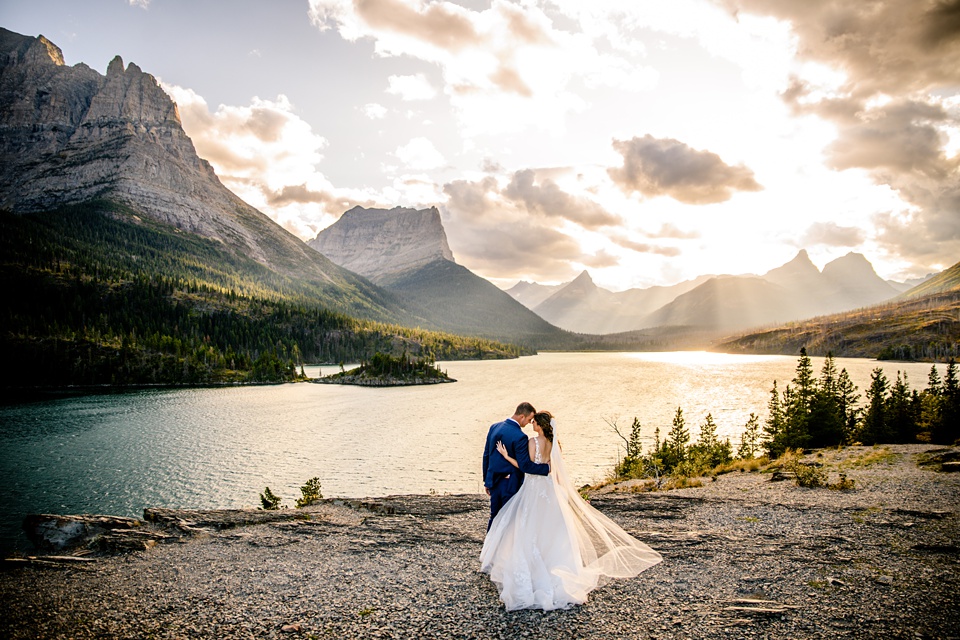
(97, 295)
(921, 324)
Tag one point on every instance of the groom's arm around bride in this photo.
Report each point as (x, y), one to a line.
(500, 478)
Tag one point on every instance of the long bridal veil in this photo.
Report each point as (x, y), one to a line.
(606, 550)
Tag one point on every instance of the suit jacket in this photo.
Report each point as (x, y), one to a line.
(514, 439)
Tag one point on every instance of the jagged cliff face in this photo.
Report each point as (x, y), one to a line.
(379, 243)
(70, 135)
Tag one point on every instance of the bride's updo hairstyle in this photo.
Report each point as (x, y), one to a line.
(543, 419)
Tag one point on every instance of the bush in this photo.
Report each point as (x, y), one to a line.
(843, 484)
(310, 493)
(269, 501)
(808, 475)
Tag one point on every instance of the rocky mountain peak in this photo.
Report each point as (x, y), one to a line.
(115, 67)
(71, 135)
(379, 242)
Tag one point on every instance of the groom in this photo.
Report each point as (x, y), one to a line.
(501, 479)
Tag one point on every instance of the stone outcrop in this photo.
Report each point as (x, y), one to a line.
(377, 243)
(70, 135)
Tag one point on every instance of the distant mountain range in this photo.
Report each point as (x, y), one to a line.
(793, 291)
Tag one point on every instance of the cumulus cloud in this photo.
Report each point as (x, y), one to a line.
(547, 198)
(419, 154)
(833, 235)
(667, 167)
(415, 87)
(898, 59)
(143, 4)
(266, 154)
(511, 230)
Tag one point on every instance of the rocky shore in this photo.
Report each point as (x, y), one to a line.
(744, 557)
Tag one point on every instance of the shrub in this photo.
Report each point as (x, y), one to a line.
(269, 501)
(843, 484)
(311, 493)
(808, 475)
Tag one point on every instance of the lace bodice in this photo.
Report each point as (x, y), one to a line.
(537, 456)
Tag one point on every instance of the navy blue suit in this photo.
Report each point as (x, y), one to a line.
(499, 476)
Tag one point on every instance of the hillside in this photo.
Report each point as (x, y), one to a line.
(97, 295)
(915, 326)
(943, 282)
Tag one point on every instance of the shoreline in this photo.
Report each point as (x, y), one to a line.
(743, 556)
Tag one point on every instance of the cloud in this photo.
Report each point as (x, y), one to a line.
(415, 87)
(897, 59)
(667, 167)
(548, 199)
(507, 68)
(883, 46)
(143, 4)
(643, 247)
(511, 230)
(266, 154)
(668, 230)
(374, 111)
(419, 154)
(833, 235)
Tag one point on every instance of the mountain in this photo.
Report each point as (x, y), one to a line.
(530, 294)
(377, 243)
(126, 261)
(727, 303)
(795, 291)
(583, 307)
(71, 135)
(944, 282)
(854, 283)
(405, 251)
(923, 324)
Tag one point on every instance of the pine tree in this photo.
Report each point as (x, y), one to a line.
(947, 429)
(750, 439)
(875, 420)
(678, 438)
(775, 427)
(826, 420)
(798, 402)
(901, 422)
(847, 400)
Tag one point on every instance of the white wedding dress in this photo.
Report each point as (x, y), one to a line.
(547, 548)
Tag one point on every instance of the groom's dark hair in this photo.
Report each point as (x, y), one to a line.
(524, 409)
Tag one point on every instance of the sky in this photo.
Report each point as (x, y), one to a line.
(645, 141)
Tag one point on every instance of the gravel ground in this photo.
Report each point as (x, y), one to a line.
(744, 557)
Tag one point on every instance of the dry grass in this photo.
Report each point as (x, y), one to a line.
(876, 455)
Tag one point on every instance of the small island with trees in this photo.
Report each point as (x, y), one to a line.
(384, 370)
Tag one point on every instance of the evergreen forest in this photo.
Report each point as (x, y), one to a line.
(95, 295)
(810, 412)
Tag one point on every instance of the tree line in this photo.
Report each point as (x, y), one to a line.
(811, 412)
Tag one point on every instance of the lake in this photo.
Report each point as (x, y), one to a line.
(219, 447)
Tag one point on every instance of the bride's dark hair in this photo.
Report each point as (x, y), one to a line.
(543, 419)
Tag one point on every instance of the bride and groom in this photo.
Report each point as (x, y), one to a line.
(546, 548)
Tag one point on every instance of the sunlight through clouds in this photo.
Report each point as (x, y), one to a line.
(649, 141)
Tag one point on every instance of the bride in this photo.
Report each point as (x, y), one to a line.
(547, 548)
